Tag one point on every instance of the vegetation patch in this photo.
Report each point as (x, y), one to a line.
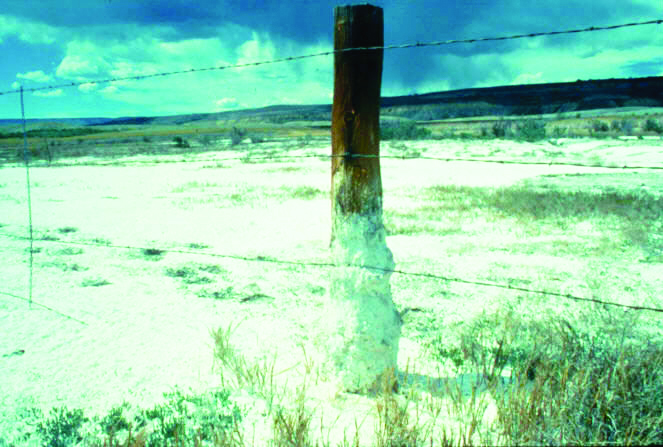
(194, 185)
(192, 274)
(181, 142)
(220, 294)
(652, 125)
(101, 241)
(583, 386)
(304, 192)
(53, 133)
(94, 282)
(404, 130)
(183, 419)
(549, 203)
(70, 251)
(153, 254)
(48, 237)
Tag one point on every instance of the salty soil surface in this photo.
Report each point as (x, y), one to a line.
(138, 259)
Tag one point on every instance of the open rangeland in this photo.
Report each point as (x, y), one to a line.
(183, 270)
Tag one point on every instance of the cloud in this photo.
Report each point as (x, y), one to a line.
(146, 52)
(109, 90)
(36, 76)
(227, 104)
(16, 85)
(82, 60)
(259, 48)
(88, 87)
(528, 78)
(49, 93)
(33, 32)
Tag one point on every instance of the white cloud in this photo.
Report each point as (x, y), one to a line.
(83, 59)
(37, 76)
(30, 32)
(16, 84)
(142, 52)
(259, 48)
(528, 78)
(227, 104)
(88, 87)
(49, 93)
(75, 66)
(109, 90)
(191, 49)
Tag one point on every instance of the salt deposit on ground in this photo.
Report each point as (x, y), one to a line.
(137, 331)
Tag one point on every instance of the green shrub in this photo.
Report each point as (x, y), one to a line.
(62, 429)
(560, 132)
(627, 127)
(184, 418)
(205, 140)
(599, 126)
(304, 140)
(652, 125)
(501, 128)
(404, 130)
(190, 418)
(180, 142)
(237, 135)
(531, 130)
(115, 421)
(624, 126)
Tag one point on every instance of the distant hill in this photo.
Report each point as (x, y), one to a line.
(531, 99)
(57, 122)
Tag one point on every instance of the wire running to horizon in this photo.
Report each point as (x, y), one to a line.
(328, 53)
(249, 158)
(261, 258)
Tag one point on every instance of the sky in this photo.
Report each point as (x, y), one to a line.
(48, 42)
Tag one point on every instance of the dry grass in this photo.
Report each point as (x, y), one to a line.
(569, 387)
(572, 391)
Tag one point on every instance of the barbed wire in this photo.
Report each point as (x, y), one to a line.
(261, 258)
(480, 160)
(319, 264)
(31, 301)
(248, 158)
(328, 53)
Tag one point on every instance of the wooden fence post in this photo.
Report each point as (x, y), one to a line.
(356, 111)
(360, 322)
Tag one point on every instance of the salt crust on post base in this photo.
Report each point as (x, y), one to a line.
(360, 327)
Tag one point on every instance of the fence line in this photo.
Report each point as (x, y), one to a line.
(247, 157)
(26, 157)
(44, 306)
(294, 58)
(328, 53)
(333, 265)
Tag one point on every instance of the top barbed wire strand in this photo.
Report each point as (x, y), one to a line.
(327, 53)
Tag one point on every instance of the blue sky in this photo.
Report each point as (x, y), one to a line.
(46, 42)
